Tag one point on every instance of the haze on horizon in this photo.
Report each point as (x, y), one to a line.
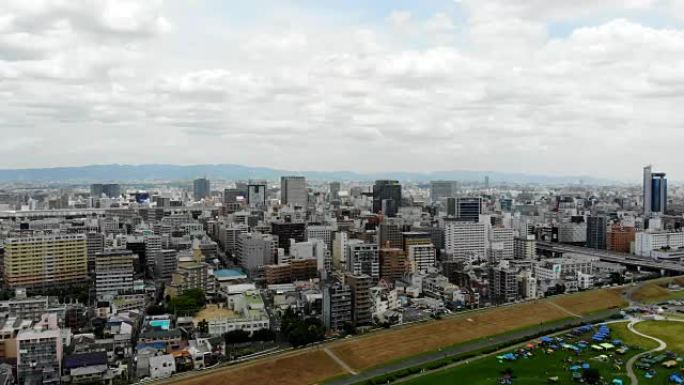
(539, 87)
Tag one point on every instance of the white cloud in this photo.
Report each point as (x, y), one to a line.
(493, 91)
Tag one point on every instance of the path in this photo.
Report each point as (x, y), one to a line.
(339, 361)
(564, 310)
(630, 364)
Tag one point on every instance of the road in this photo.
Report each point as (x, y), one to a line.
(630, 364)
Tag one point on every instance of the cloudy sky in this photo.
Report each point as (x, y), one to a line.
(549, 87)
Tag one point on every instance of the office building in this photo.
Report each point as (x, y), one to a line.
(646, 242)
(255, 250)
(468, 209)
(334, 191)
(359, 286)
(465, 239)
(501, 243)
(45, 261)
(286, 231)
(525, 247)
(504, 283)
(422, 257)
(293, 191)
(620, 238)
(655, 192)
(201, 189)
(597, 227)
(337, 306)
(363, 258)
(386, 197)
(256, 194)
(442, 189)
(389, 235)
(234, 195)
(114, 272)
(393, 264)
(95, 243)
(109, 190)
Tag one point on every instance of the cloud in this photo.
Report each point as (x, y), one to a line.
(144, 82)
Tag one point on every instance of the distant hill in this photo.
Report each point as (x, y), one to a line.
(165, 172)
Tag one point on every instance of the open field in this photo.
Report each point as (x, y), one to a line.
(671, 332)
(538, 368)
(379, 348)
(308, 367)
(591, 301)
(656, 291)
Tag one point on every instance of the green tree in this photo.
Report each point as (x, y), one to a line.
(263, 335)
(203, 327)
(592, 376)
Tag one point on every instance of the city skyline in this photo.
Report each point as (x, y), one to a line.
(435, 85)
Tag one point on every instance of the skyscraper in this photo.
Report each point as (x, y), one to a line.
(442, 189)
(334, 190)
(468, 209)
(201, 188)
(256, 194)
(597, 227)
(655, 192)
(293, 191)
(386, 197)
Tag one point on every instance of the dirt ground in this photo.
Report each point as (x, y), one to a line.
(305, 368)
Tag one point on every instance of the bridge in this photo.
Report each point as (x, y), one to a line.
(613, 256)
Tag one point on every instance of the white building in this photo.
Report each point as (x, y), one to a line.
(646, 242)
(422, 257)
(465, 239)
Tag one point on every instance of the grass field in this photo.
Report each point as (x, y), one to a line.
(671, 332)
(536, 370)
(656, 291)
(378, 348)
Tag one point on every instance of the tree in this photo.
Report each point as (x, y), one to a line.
(156, 310)
(592, 376)
(237, 336)
(617, 278)
(348, 328)
(203, 327)
(263, 335)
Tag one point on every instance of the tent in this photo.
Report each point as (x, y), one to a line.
(607, 346)
(547, 340)
(597, 348)
(677, 378)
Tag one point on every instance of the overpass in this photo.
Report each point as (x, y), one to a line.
(612, 256)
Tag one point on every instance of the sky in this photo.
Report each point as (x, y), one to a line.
(582, 87)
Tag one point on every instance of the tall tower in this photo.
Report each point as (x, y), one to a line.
(655, 192)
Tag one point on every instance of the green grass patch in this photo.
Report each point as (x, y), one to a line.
(671, 332)
(539, 368)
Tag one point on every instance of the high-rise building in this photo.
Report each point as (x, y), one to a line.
(45, 260)
(293, 191)
(421, 257)
(620, 238)
(361, 298)
(363, 258)
(468, 209)
(255, 250)
(389, 235)
(337, 306)
(256, 194)
(597, 227)
(334, 191)
(96, 243)
(504, 284)
(201, 188)
(110, 190)
(386, 197)
(233, 195)
(393, 264)
(286, 231)
(655, 192)
(501, 243)
(114, 272)
(442, 189)
(525, 247)
(465, 239)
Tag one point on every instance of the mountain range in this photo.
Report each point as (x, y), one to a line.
(122, 173)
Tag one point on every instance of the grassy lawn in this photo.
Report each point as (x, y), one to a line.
(657, 291)
(537, 369)
(669, 331)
